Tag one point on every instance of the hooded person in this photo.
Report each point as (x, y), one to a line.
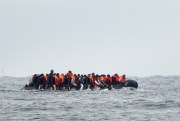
(41, 82)
(51, 81)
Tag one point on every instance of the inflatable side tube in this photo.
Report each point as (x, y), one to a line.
(27, 87)
(118, 85)
(131, 83)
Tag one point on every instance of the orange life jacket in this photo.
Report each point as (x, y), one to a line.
(92, 80)
(99, 78)
(46, 78)
(108, 78)
(62, 78)
(117, 78)
(56, 80)
(102, 78)
(122, 79)
(69, 74)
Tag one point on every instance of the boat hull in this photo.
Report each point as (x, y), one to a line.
(127, 83)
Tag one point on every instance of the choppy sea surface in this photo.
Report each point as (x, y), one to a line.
(156, 99)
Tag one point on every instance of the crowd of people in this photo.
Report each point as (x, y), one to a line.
(56, 81)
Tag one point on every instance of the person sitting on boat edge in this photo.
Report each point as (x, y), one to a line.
(51, 81)
(108, 81)
(68, 79)
(122, 78)
(41, 82)
(116, 82)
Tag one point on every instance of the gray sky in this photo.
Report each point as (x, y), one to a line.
(135, 37)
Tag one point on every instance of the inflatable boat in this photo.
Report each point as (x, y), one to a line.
(127, 83)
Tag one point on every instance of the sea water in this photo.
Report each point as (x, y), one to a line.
(156, 99)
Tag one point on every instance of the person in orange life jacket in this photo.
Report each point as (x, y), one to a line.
(61, 81)
(69, 73)
(96, 79)
(102, 78)
(88, 82)
(54, 81)
(46, 77)
(62, 78)
(122, 78)
(115, 79)
(57, 81)
(91, 79)
(108, 82)
(117, 83)
(98, 82)
(73, 81)
(75, 78)
(68, 79)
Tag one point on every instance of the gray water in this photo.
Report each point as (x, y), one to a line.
(156, 99)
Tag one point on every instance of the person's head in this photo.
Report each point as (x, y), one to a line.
(70, 71)
(57, 74)
(52, 71)
(116, 74)
(35, 75)
(124, 76)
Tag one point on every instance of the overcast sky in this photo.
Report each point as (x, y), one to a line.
(132, 37)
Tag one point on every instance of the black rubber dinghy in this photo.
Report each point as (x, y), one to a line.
(127, 83)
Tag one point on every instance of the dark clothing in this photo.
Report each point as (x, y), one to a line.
(50, 82)
(41, 82)
(67, 81)
(79, 82)
(108, 83)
